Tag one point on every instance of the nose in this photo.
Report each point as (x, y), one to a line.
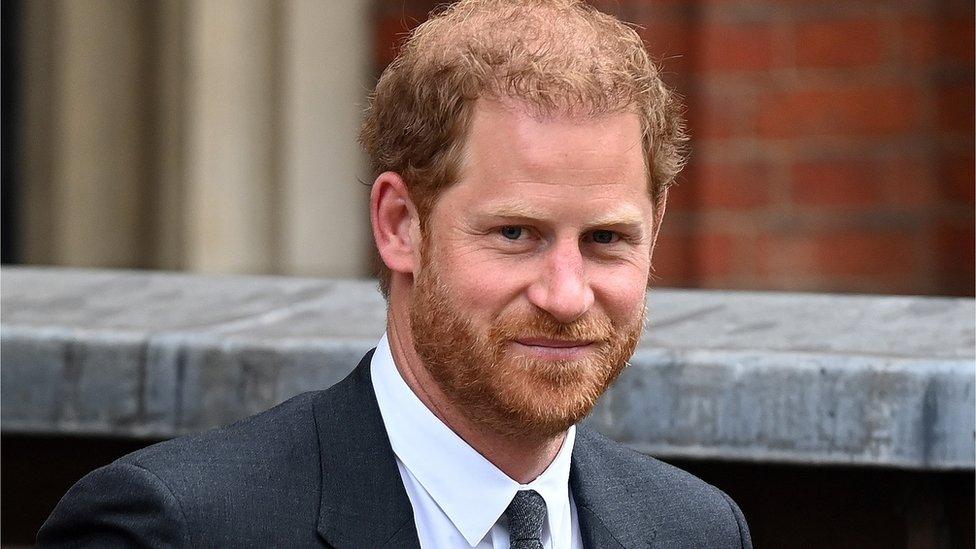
(561, 288)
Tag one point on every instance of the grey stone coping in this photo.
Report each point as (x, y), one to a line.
(775, 377)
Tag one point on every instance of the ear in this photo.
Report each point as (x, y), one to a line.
(396, 225)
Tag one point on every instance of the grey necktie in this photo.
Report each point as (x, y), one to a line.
(526, 515)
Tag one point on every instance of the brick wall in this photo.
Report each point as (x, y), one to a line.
(832, 141)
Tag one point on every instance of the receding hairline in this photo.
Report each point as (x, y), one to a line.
(518, 106)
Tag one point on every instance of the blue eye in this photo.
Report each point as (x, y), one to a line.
(604, 237)
(512, 232)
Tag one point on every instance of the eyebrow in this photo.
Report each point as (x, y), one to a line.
(627, 216)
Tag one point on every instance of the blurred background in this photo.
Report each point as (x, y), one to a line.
(832, 141)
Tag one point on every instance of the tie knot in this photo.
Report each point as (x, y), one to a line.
(526, 515)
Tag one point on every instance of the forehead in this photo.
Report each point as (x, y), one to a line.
(512, 155)
(530, 140)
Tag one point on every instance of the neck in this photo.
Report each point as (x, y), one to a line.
(522, 458)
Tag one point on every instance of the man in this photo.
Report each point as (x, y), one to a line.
(523, 153)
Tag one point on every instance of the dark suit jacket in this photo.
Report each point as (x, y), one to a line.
(319, 470)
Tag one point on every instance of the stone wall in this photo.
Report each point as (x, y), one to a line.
(771, 377)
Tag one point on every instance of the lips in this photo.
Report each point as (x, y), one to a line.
(553, 349)
(552, 343)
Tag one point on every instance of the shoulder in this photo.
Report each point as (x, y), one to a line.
(680, 508)
(621, 462)
(262, 439)
(261, 469)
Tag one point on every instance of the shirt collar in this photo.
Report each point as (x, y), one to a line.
(471, 491)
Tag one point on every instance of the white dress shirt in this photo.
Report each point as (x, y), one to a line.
(457, 495)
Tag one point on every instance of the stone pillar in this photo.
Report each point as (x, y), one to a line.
(206, 135)
(99, 163)
(325, 56)
(168, 195)
(35, 133)
(231, 136)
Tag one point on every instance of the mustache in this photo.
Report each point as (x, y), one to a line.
(543, 326)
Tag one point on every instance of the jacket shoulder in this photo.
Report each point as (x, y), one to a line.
(622, 462)
(261, 438)
(255, 478)
(679, 509)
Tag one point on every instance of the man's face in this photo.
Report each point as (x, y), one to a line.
(530, 294)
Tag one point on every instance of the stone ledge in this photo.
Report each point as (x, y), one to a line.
(789, 378)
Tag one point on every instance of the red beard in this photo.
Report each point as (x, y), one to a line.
(506, 392)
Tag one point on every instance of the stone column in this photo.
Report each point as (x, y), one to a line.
(231, 136)
(99, 162)
(207, 135)
(35, 133)
(168, 196)
(326, 60)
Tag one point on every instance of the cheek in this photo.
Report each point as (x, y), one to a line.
(622, 295)
(484, 288)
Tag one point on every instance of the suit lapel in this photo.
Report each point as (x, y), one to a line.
(363, 502)
(614, 510)
(593, 532)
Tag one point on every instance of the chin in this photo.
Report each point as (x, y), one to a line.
(542, 398)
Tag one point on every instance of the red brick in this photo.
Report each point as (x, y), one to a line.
(418, 8)
(838, 43)
(900, 182)
(956, 38)
(955, 248)
(735, 47)
(681, 197)
(722, 254)
(668, 40)
(722, 114)
(833, 183)
(853, 111)
(877, 254)
(784, 254)
(959, 179)
(672, 261)
(714, 254)
(956, 110)
(390, 32)
(615, 8)
(732, 185)
(909, 182)
(919, 43)
(885, 255)
(938, 40)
